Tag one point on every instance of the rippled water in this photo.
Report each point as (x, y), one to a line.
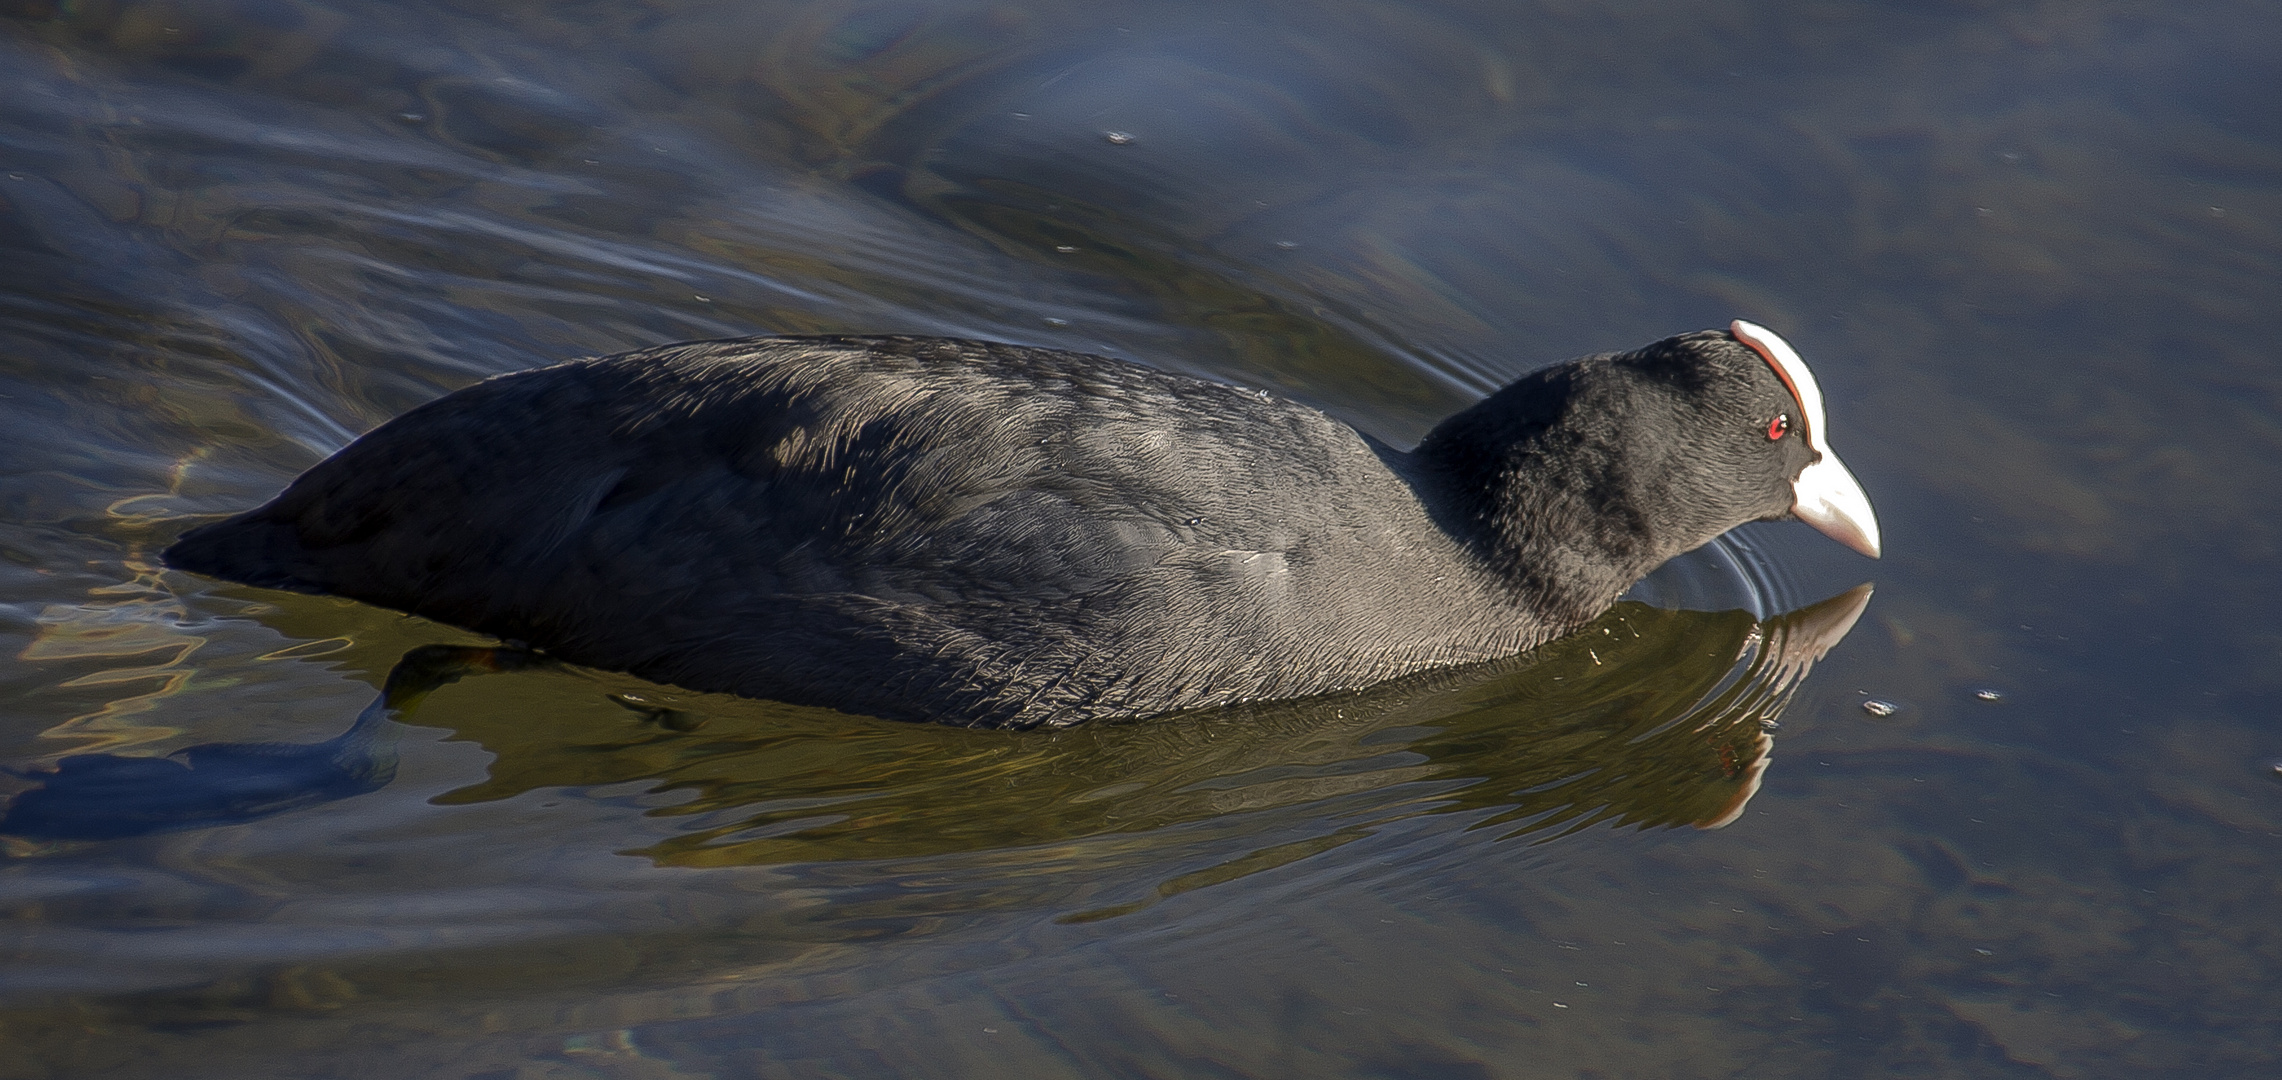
(2034, 252)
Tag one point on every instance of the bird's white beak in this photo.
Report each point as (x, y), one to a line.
(1826, 495)
(1831, 500)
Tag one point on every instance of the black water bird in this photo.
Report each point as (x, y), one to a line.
(1000, 536)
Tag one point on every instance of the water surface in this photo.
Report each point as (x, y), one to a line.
(2034, 252)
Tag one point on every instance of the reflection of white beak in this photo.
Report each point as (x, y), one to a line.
(1792, 643)
(1826, 495)
(1801, 637)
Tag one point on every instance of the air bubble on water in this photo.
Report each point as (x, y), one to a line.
(1118, 138)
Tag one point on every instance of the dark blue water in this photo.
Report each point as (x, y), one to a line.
(2033, 251)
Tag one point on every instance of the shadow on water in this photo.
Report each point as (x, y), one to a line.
(1648, 717)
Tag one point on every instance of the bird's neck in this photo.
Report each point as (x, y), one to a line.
(1539, 494)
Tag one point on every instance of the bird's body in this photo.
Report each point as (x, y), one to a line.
(994, 535)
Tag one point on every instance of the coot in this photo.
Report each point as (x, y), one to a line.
(999, 536)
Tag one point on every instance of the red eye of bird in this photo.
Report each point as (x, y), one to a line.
(1778, 427)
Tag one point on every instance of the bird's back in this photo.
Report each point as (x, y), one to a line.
(914, 528)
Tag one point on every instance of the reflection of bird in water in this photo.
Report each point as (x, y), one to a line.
(1647, 716)
(997, 536)
(96, 796)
